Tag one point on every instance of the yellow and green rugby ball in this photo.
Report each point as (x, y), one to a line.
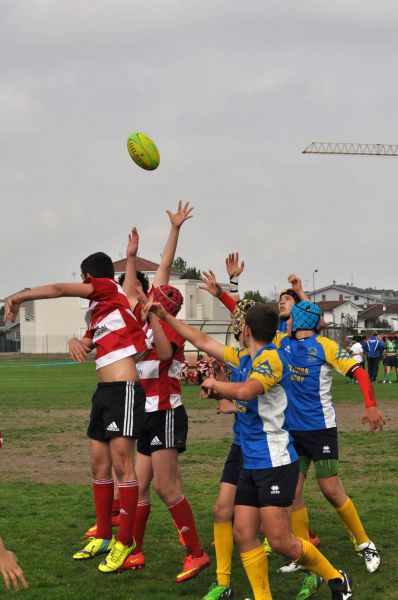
(143, 151)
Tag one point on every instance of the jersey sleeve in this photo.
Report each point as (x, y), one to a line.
(228, 301)
(279, 336)
(336, 356)
(104, 288)
(89, 334)
(231, 356)
(267, 369)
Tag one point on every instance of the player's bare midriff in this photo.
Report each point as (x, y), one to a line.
(121, 370)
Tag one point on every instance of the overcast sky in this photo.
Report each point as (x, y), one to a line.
(231, 92)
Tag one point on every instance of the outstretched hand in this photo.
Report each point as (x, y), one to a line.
(132, 244)
(234, 269)
(295, 282)
(10, 570)
(211, 284)
(374, 417)
(11, 308)
(183, 213)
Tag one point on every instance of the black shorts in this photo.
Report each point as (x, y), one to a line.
(232, 466)
(390, 361)
(318, 444)
(118, 410)
(164, 429)
(268, 487)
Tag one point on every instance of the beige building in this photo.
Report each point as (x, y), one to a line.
(44, 326)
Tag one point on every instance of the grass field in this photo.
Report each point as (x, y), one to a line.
(45, 494)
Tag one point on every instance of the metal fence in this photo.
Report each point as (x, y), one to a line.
(56, 344)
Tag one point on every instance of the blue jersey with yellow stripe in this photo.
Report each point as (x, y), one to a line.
(264, 439)
(239, 374)
(311, 363)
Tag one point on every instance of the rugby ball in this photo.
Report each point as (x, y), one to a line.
(143, 151)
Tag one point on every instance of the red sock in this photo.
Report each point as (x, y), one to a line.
(141, 518)
(128, 491)
(181, 512)
(103, 497)
(115, 507)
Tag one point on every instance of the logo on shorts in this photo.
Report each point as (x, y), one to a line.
(275, 489)
(156, 441)
(326, 449)
(112, 427)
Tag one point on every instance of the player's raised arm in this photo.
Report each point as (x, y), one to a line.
(212, 286)
(130, 280)
(176, 219)
(297, 286)
(43, 292)
(200, 340)
(234, 270)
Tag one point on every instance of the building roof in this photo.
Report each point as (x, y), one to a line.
(375, 311)
(329, 305)
(142, 265)
(349, 289)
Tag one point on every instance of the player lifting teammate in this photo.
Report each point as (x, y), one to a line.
(166, 425)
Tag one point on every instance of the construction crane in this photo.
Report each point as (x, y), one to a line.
(350, 148)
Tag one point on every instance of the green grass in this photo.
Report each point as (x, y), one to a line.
(43, 524)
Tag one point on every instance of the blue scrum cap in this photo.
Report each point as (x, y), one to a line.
(305, 315)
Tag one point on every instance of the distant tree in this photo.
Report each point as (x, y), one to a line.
(382, 324)
(187, 272)
(191, 273)
(179, 264)
(255, 295)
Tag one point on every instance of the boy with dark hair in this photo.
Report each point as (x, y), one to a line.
(270, 464)
(118, 405)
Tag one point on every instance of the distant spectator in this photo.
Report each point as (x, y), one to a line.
(389, 358)
(202, 369)
(373, 347)
(356, 351)
(185, 372)
(395, 338)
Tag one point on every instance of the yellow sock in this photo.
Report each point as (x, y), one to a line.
(312, 560)
(348, 514)
(256, 566)
(224, 544)
(299, 523)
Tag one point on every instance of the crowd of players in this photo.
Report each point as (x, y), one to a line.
(284, 419)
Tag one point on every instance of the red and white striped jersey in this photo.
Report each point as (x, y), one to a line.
(112, 327)
(161, 378)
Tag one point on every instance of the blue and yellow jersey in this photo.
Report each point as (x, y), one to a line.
(236, 375)
(282, 325)
(311, 363)
(264, 440)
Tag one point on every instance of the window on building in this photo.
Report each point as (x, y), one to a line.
(323, 297)
(356, 297)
